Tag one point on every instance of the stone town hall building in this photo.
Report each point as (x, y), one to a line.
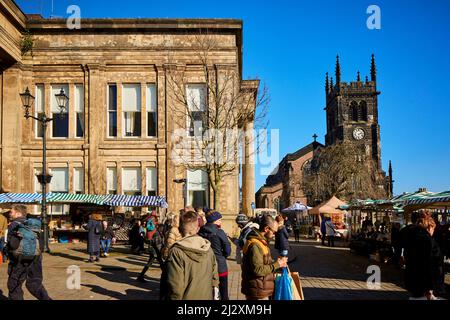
(115, 137)
(351, 115)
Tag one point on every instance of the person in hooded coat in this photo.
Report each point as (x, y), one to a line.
(221, 246)
(94, 228)
(191, 266)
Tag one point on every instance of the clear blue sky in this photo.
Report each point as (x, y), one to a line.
(291, 44)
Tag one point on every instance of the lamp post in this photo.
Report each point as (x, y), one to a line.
(44, 178)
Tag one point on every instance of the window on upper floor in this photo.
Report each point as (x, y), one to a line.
(131, 110)
(60, 123)
(112, 110)
(196, 101)
(151, 106)
(39, 109)
(79, 110)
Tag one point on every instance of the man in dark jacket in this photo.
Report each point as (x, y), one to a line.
(221, 246)
(21, 271)
(191, 265)
(258, 268)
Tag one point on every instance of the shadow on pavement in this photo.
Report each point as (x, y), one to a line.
(130, 294)
(113, 274)
(345, 294)
(136, 263)
(2, 296)
(313, 260)
(68, 256)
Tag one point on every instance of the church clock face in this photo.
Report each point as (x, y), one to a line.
(358, 134)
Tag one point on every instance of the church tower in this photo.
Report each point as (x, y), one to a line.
(352, 115)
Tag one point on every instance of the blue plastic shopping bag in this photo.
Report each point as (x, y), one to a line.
(283, 286)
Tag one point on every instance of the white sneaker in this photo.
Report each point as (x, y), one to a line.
(106, 254)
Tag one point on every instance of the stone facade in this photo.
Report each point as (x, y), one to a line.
(104, 52)
(283, 187)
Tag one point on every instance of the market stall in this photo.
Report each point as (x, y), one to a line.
(67, 226)
(330, 208)
(298, 217)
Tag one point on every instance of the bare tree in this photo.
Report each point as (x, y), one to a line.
(210, 114)
(341, 170)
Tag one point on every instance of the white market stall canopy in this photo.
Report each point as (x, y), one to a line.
(296, 207)
(101, 200)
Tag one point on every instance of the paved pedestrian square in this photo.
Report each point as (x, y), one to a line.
(326, 274)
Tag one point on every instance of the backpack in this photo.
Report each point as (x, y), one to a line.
(150, 225)
(244, 233)
(28, 247)
(97, 229)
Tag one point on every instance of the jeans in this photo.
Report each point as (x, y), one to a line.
(105, 244)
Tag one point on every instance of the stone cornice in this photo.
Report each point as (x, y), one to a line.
(13, 13)
(158, 24)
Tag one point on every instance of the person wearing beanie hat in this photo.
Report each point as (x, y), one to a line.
(213, 216)
(221, 246)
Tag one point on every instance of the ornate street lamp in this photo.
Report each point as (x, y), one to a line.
(44, 178)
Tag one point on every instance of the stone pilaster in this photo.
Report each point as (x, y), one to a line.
(248, 170)
(12, 114)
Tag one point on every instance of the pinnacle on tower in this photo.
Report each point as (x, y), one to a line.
(358, 77)
(367, 79)
(331, 84)
(327, 83)
(373, 69)
(338, 70)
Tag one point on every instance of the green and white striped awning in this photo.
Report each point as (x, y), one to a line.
(75, 198)
(101, 200)
(432, 199)
(412, 200)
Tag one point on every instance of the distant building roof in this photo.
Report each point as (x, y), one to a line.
(275, 178)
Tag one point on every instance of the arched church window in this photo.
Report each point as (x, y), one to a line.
(362, 114)
(354, 111)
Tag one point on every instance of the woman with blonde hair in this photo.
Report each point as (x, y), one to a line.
(172, 234)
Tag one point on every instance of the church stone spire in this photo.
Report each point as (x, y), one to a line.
(338, 70)
(373, 69)
(358, 76)
(327, 83)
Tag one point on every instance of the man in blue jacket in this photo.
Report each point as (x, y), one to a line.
(221, 246)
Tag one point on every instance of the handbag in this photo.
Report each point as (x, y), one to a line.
(297, 290)
(283, 286)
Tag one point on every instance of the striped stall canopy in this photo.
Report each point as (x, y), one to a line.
(76, 198)
(135, 201)
(68, 198)
(117, 200)
(429, 198)
(23, 198)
